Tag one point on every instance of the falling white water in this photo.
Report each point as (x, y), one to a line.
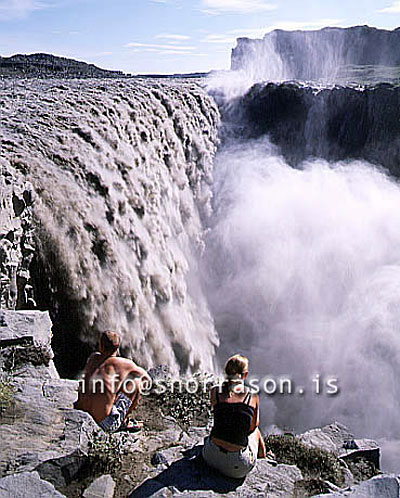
(259, 61)
(357, 55)
(303, 272)
(121, 173)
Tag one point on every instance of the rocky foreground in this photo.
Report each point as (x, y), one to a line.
(49, 449)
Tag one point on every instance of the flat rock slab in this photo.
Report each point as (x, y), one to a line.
(27, 484)
(41, 425)
(39, 430)
(384, 486)
(103, 487)
(25, 344)
(18, 327)
(190, 476)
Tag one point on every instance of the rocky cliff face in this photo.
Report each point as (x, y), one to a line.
(334, 124)
(16, 239)
(309, 55)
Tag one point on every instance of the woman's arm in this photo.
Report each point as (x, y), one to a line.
(256, 416)
(262, 451)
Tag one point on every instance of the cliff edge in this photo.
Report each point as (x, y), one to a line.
(52, 449)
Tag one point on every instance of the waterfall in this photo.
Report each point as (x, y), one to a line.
(121, 174)
(303, 268)
(330, 55)
(302, 262)
(284, 244)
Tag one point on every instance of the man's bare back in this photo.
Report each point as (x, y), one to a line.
(105, 377)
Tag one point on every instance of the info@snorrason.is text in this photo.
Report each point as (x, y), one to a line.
(267, 385)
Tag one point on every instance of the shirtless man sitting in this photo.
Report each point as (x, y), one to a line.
(111, 386)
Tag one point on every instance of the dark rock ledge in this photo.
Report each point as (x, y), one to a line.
(48, 449)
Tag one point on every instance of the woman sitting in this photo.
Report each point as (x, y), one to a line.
(235, 441)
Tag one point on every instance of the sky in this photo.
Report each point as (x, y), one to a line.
(169, 36)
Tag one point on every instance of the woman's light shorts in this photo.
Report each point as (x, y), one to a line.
(235, 464)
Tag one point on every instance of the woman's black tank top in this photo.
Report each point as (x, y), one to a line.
(232, 421)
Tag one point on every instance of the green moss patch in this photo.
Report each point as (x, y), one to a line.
(314, 463)
(7, 393)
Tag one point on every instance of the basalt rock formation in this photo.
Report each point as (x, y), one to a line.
(16, 240)
(325, 54)
(333, 123)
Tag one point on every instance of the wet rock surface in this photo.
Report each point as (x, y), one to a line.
(351, 123)
(17, 246)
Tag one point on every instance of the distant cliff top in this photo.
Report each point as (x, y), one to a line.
(315, 54)
(364, 29)
(47, 65)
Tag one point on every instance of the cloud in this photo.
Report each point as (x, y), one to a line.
(19, 9)
(172, 37)
(152, 47)
(14, 9)
(102, 54)
(393, 9)
(305, 25)
(224, 39)
(168, 52)
(238, 6)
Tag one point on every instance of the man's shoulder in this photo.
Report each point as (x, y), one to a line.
(123, 362)
(127, 367)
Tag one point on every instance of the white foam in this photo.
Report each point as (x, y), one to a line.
(303, 272)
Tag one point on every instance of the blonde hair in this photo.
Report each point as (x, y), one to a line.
(236, 366)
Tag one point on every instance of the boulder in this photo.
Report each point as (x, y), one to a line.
(41, 431)
(361, 448)
(331, 437)
(63, 462)
(21, 327)
(27, 484)
(186, 474)
(25, 344)
(383, 486)
(102, 487)
(39, 428)
(337, 439)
